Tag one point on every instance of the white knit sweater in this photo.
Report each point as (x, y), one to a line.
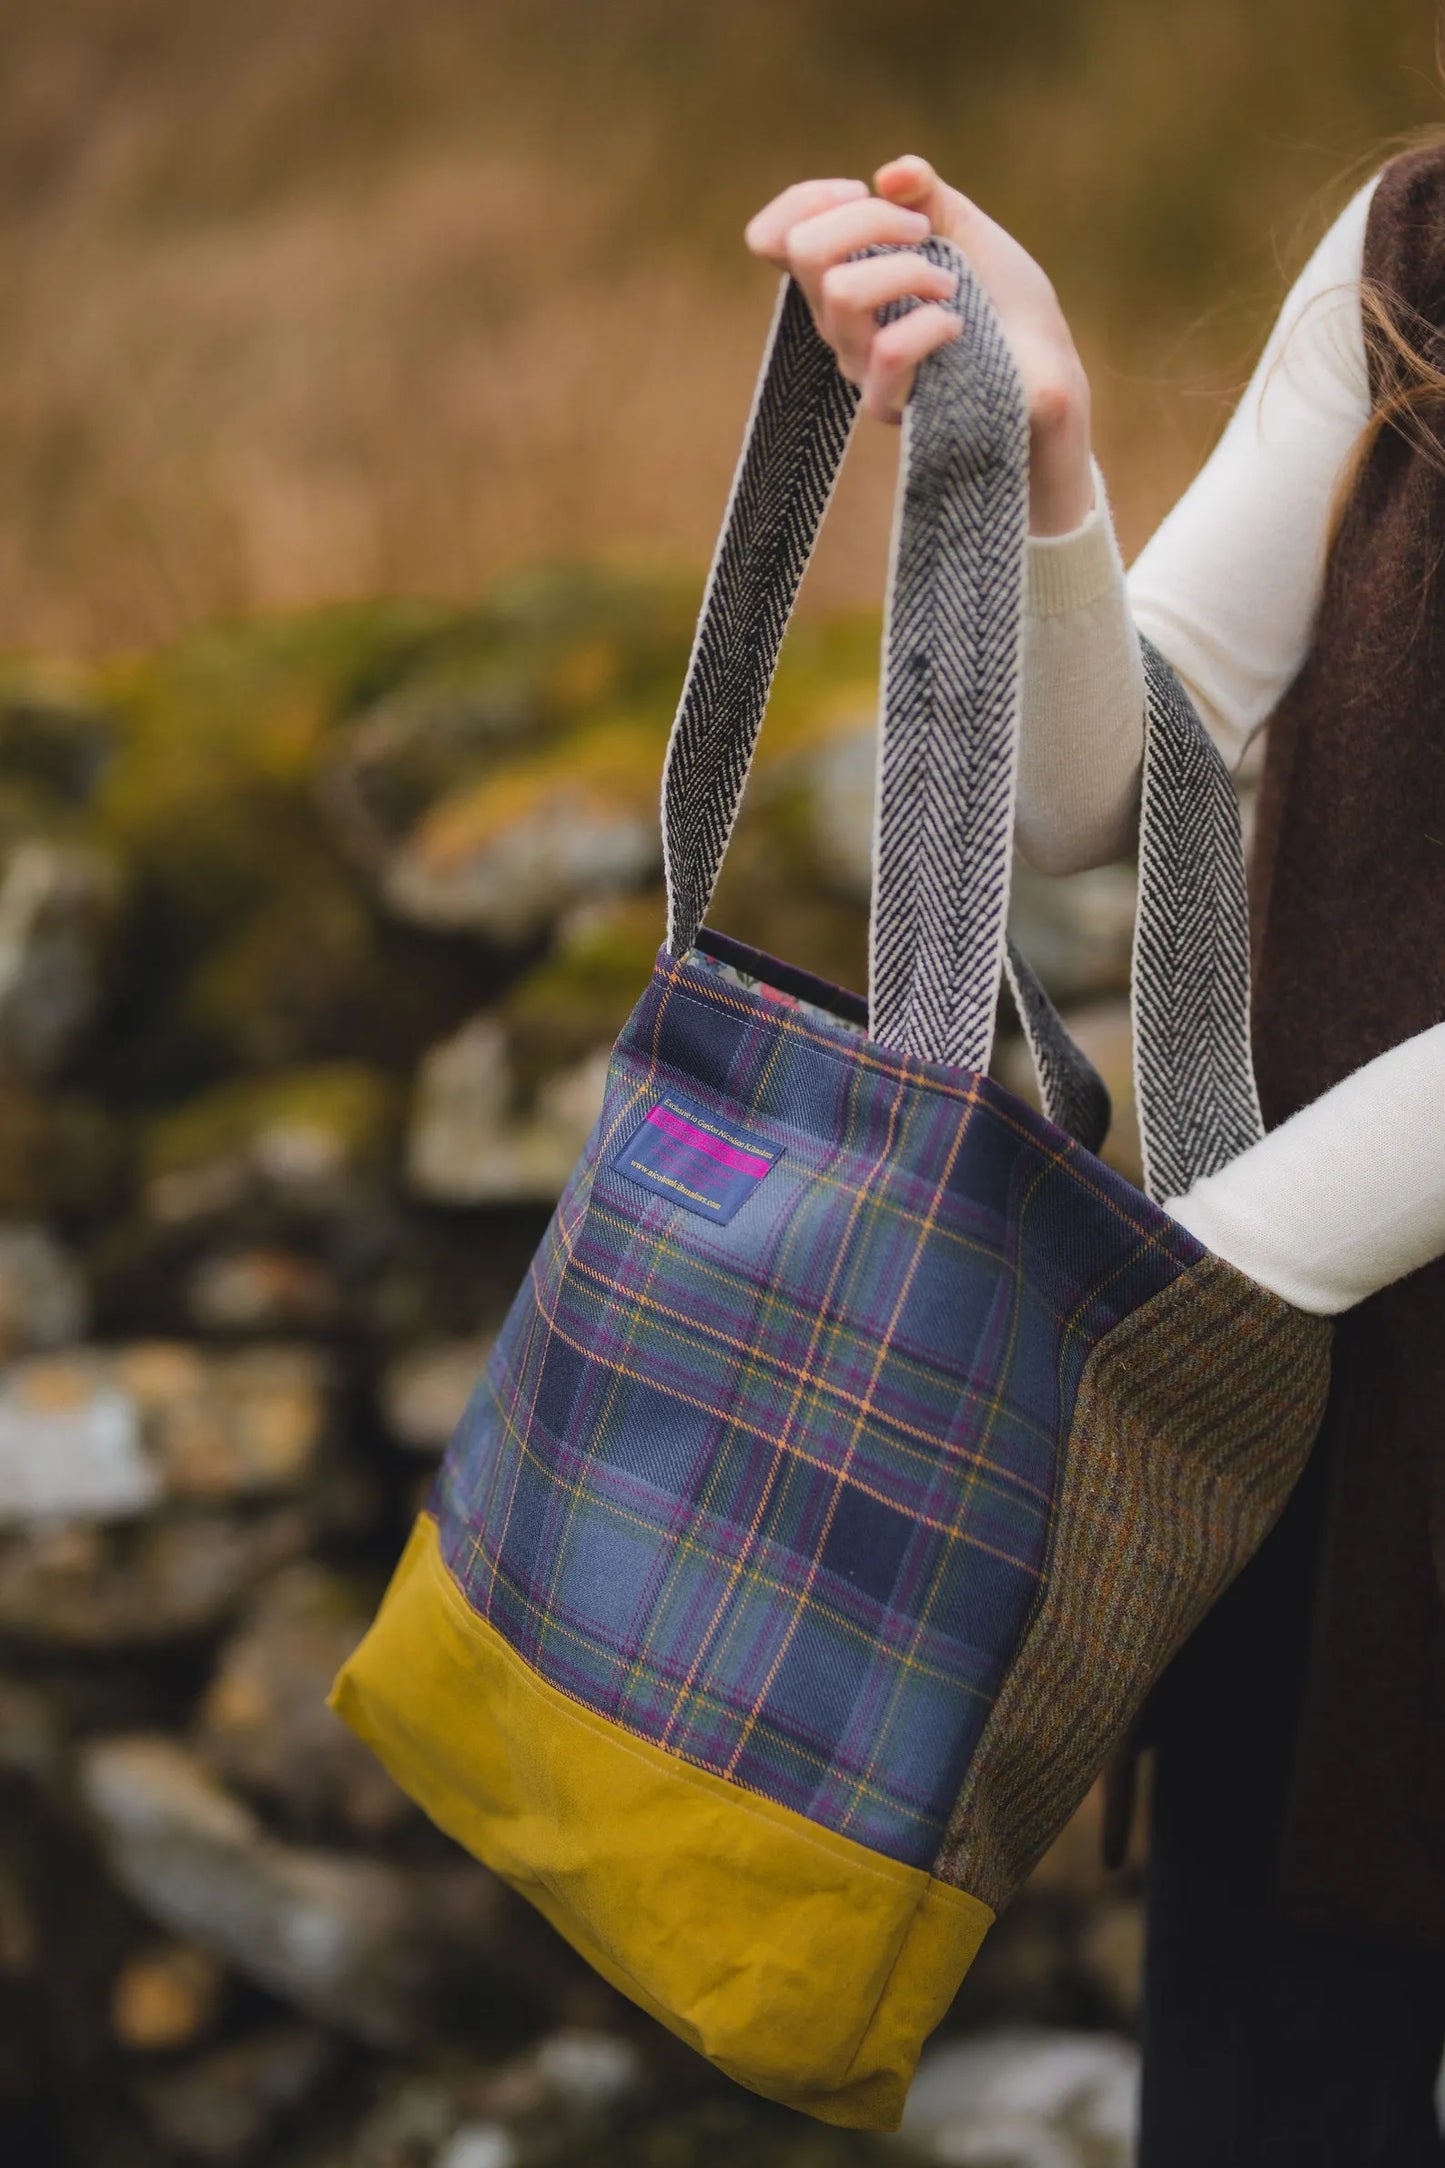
(1350, 1194)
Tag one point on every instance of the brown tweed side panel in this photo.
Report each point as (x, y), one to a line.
(1193, 1420)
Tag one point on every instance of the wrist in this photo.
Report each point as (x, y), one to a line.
(1061, 473)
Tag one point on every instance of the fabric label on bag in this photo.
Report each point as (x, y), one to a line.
(687, 1155)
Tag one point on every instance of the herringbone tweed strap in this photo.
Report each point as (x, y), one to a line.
(1193, 1066)
(948, 737)
(947, 753)
(802, 413)
(948, 730)
(1071, 1090)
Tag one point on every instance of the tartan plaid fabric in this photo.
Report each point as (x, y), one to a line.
(775, 1493)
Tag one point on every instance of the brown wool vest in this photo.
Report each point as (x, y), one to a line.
(1349, 902)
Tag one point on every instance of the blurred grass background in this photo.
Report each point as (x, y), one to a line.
(321, 301)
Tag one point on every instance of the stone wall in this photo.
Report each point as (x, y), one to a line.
(313, 937)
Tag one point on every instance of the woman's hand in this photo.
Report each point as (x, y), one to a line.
(813, 229)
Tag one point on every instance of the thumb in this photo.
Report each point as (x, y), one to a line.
(912, 182)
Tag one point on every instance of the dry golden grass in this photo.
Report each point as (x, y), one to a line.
(303, 301)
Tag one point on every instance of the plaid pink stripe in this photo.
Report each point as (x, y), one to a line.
(727, 1154)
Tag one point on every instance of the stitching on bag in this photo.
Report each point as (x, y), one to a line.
(736, 1422)
(853, 1402)
(995, 1850)
(585, 1719)
(704, 998)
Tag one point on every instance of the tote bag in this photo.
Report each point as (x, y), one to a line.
(859, 1447)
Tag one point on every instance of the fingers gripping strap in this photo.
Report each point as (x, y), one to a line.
(948, 749)
(1193, 1069)
(802, 413)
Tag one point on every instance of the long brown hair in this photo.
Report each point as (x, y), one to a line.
(1407, 386)
(1407, 381)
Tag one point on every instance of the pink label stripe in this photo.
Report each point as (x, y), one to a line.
(728, 1154)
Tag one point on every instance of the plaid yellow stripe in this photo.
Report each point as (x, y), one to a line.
(775, 1494)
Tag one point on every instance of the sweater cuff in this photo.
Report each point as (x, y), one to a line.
(1067, 572)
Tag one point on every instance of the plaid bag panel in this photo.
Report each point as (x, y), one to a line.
(772, 1490)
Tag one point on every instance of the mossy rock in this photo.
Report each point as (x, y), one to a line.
(253, 941)
(608, 768)
(57, 739)
(598, 634)
(476, 1138)
(57, 732)
(511, 837)
(259, 934)
(509, 855)
(320, 972)
(244, 703)
(210, 796)
(581, 994)
(302, 1133)
(62, 1157)
(318, 818)
(549, 650)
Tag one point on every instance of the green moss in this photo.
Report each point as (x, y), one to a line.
(598, 633)
(215, 773)
(610, 766)
(254, 941)
(580, 996)
(355, 1110)
(548, 648)
(60, 1155)
(312, 970)
(57, 736)
(56, 742)
(252, 699)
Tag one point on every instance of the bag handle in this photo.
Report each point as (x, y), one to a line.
(797, 432)
(1194, 1083)
(947, 732)
(947, 755)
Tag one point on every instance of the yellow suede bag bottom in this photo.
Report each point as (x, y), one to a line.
(804, 1965)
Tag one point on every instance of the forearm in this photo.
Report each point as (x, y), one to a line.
(1082, 727)
(1346, 1196)
(1226, 589)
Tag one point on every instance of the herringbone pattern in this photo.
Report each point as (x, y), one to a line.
(944, 816)
(947, 751)
(802, 414)
(948, 728)
(1198, 1105)
(1191, 1425)
(1071, 1090)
